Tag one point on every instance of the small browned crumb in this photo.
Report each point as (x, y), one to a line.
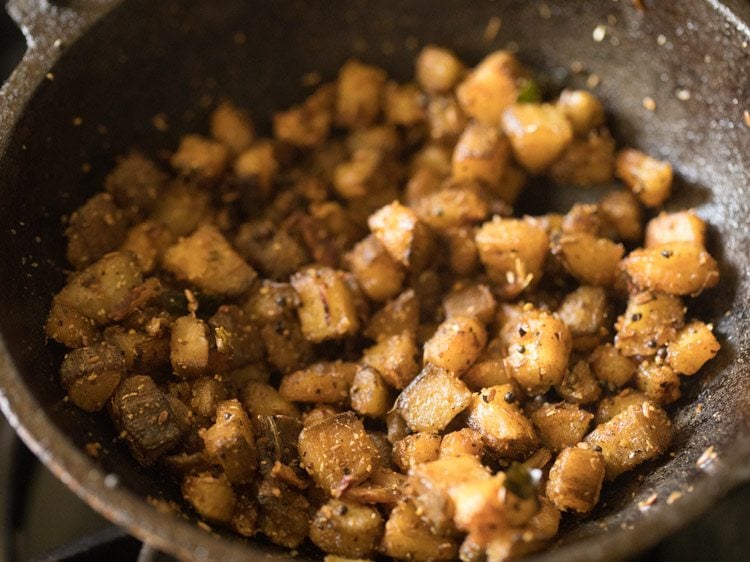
(648, 502)
(311, 79)
(160, 123)
(77, 121)
(673, 497)
(493, 28)
(649, 103)
(746, 117)
(93, 449)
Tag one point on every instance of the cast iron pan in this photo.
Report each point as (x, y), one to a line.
(115, 65)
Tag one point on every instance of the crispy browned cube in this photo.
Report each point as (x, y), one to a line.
(404, 236)
(415, 449)
(189, 347)
(513, 252)
(473, 300)
(651, 320)
(407, 537)
(91, 374)
(431, 484)
(538, 134)
(100, 290)
(575, 480)
(327, 309)
(274, 251)
(621, 211)
(376, 271)
(561, 425)
(684, 226)
(432, 399)
(69, 327)
(286, 346)
(586, 312)
(588, 258)
(95, 228)
(463, 256)
(538, 351)
(230, 442)
(679, 268)
(182, 207)
(503, 426)
(359, 91)
(346, 529)
(211, 496)
(205, 395)
(648, 178)
(658, 381)
(258, 166)
(445, 118)
(610, 366)
(586, 161)
(481, 154)
(489, 369)
(370, 395)
(206, 260)
(438, 70)
(135, 184)
(145, 416)
(693, 346)
(462, 204)
(236, 338)
(583, 110)
(324, 382)
(515, 542)
(394, 359)
(403, 104)
(610, 406)
(200, 158)
(307, 124)
(456, 344)
(465, 441)
(338, 453)
(491, 87)
(633, 436)
(261, 399)
(232, 127)
(579, 385)
(149, 241)
(283, 513)
(397, 316)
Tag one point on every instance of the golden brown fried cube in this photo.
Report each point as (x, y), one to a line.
(586, 313)
(621, 211)
(326, 382)
(538, 351)
(378, 274)
(397, 316)
(261, 399)
(651, 320)
(200, 158)
(693, 346)
(369, 394)
(258, 166)
(575, 480)
(633, 436)
(648, 178)
(338, 453)
(432, 399)
(538, 134)
(588, 258)
(327, 309)
(91, 374)
(404, 236)
(403, 104)
(414, 449)
(407, 537)
(358, 93)
(679, 268)
(684, 226)
(189, 347)
(586, 161)
(462, 204)
(561, 425)
(211, 496)
(579, 386)
(230, 442)
(438, 70)
(394, 358)
(491, 87)
(658, 381)
(474, 300)
(583, 110)
(504, 428)
(465, 441)
(481, 154)
(205, 259)
(610, 366)
(513, 252)
(456, 344)
(232, 127)
(346, 529)
(94, 229)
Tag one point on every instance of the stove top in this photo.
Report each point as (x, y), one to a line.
(30, 530)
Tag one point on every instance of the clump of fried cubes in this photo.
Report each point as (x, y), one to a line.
(341, 333)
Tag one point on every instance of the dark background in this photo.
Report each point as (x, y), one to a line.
(46, 517)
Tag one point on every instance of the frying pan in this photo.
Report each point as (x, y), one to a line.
(97, 72)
